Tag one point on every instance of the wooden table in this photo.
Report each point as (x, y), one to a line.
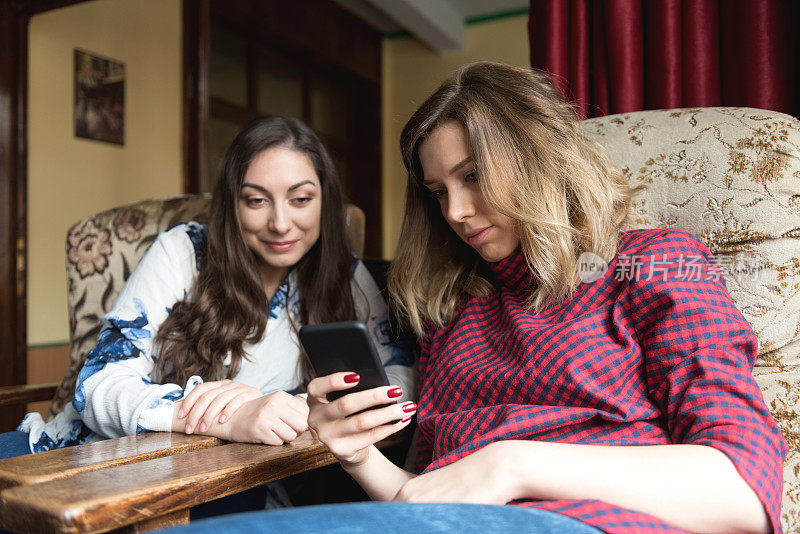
(140, 483)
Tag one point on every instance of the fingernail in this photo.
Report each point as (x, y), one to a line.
(406, 419)
(203, 427)
(187, 429)
(351, 378)
(222, 418)
(394, 393)
(410, 407)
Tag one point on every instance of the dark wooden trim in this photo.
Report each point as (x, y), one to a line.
(324, 34)
(306, 96)
(33, 7)
(15, 16)
(367, 191)
(21, 369)
(15, 395)
(196, 51)
(252, 78)
(230, 112)
(13, 192)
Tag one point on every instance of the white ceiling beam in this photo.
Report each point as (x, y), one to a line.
(437, 23)
(370, 14)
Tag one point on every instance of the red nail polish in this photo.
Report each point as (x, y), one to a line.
(394, 393)
(352, 378)
(406, 419)
(410, 407)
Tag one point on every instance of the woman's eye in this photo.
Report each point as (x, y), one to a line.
(436, 193)
(299, 201)
(471, 177)
(255, 202)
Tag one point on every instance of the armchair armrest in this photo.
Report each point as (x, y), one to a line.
(15, 395)
(69, 461)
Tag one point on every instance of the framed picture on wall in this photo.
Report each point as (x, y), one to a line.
(99, 98)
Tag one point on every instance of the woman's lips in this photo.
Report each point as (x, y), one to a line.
(280, 246)
(478, 236)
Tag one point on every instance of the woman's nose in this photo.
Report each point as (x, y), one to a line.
(279, 221)
(460, 204)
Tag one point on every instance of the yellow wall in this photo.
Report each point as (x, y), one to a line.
(411, 72)
(70, 178)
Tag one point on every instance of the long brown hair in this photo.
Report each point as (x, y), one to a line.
(534, 165)
(227, 306)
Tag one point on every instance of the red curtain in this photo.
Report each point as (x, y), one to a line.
(615, 56)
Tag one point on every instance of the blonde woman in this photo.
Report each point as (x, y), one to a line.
(618, 401)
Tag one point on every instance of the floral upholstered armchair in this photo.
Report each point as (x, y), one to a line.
(102, 250)
(731, 176)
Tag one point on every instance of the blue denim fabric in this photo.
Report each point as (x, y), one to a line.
(392, 518)
(14, 443)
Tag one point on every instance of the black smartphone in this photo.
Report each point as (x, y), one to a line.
(344, 346)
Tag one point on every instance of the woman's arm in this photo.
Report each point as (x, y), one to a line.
(692, 487)
(115, 395)
(698, 354)
(250, 417)
(377, 476)
(351, 425)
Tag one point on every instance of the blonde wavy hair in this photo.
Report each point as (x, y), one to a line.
(534, 165)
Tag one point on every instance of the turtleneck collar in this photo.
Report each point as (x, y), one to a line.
(513, 272)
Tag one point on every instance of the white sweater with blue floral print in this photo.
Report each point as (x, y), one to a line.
(116, 395)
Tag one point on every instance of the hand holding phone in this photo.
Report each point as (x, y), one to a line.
(339, 351)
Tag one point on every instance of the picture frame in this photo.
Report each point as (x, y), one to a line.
(99, 112)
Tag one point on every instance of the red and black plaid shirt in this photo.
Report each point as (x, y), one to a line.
(654, 352)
